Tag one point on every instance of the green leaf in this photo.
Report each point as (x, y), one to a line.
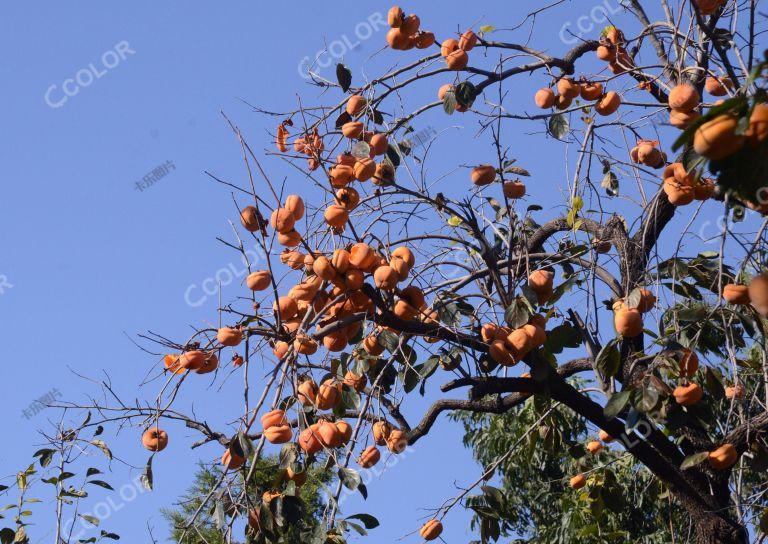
(350, 478)
(288, 455)
(146, 476)
(101, 483)
(616, 404)
(93, 520)
(46, 455)
(466, 93)
(608, 361)
(558, 126)
(103, 447)
(485, 29)
(517, 314)
(343, 76)
(694, 459)
(449, 102)
(610, 183)
(368, 520)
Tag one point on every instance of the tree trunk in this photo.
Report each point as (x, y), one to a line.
(713, 529)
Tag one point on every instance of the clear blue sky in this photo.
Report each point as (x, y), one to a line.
(89, 260)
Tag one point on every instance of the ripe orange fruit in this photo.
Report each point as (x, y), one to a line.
(519, 343)
(717, 139)
(677, 193)
(289, 239)
(192, 360)
(457, 60)
(405, 254)
(335, 341)
(501, 354)
(249, 218)
(591, 90)
(544, 98)
(280, 349)
(154, 439)
(536, 333)
(735, 391)
(309, 440)
(231, 460)
(563, 102)
(578, 481)
(397, 442)
(328, 434)
(278, 434)
(228, 336)
(372, 346)
(395, 17)
(370, 456)
(718, 86)
(353, 129)
(723, 457)
(356, 104)
(361, 256)
(211, 363)
(336, 216)
(605, 437)
(468, 40)
(340, 175)
(378, 143)
(307, 393)
(483, 174)
(171, 363)
(345, 431)
(594, 447)
(410, 24)
(355, 381)
(649, 155)
(294, 259)
(385, 174)
(329, 395)
(295, 205)
(425, 40)
(282, 220)
(688, 395)
(682, 119)
(608, 104)
(758, 293)
(286, 306)
(647, 301)
(305, 345)
(348, 197)
(281, 138)
(386, 278)
(449, 46)
(736, 294)
(628, 322)
(606, 53)
(431, 530)
(757, 132)
(541, 281)
(514, 189)
(364, 169)
(381, 432)
(684, 97)
(346, 159)
(398, 40)
(274, 418)
(568, 88)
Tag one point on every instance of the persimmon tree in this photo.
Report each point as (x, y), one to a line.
(585, 314)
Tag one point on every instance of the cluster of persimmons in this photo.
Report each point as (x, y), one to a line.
(331, 291)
